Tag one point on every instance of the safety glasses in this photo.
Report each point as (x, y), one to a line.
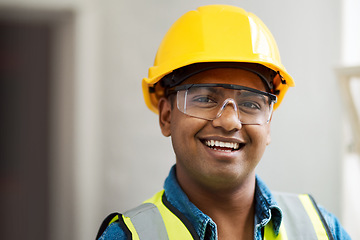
(208, 101)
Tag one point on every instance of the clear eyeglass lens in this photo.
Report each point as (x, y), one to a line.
(210, 102)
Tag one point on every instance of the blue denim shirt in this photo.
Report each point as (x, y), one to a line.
(266, 209)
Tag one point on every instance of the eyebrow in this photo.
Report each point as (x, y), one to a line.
(271, 97)
(211, 89)
(249, 93)
(238, 92)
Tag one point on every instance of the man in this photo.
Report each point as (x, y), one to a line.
(216, 79)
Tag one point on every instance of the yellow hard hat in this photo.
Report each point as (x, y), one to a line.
(215, 33)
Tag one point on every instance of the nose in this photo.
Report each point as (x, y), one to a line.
(228, 117)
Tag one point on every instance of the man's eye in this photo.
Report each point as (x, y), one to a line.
(203, 100)
(250, 105)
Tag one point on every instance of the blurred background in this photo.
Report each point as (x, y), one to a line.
(77, 141)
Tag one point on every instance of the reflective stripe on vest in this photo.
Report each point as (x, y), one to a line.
(141, 217)
(301, 219)
(154, 220)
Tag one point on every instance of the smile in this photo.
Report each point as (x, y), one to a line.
(222, 146)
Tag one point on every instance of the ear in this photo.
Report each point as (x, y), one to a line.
(268, 138)
(164, 107)
(268, 132)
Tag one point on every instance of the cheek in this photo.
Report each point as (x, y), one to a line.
(184, 130)
(182, 143)
(260, 136)
(185, 126)
(181, 133)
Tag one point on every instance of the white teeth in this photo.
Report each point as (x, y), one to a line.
(212, 143)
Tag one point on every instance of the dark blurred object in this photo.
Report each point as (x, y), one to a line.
(24, 129)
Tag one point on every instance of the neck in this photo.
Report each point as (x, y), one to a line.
(222, 200)
(232, 208)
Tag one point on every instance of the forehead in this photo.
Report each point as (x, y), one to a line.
(228, 76)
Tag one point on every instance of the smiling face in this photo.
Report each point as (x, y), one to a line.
(221, 153)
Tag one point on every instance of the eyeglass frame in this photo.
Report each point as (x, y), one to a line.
(272, 97)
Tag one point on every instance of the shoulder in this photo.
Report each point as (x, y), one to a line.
(336, 229)
(111, 229)
(114, 227)
(113, 232)
(333, 223)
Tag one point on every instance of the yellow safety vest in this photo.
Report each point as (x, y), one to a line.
(156, 218)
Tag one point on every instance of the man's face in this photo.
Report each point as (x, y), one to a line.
(199, 163)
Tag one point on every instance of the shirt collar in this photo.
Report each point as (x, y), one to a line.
(176, 196)
(266, 208)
